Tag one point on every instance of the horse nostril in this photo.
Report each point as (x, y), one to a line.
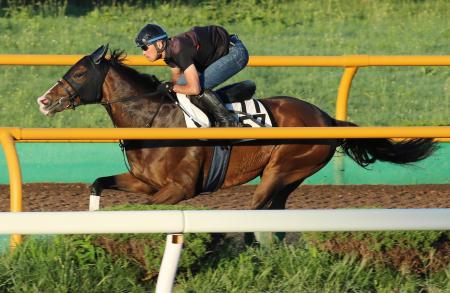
(44, 102)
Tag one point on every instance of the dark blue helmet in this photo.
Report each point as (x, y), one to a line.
(149, 34)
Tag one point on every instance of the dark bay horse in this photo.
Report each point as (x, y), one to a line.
(172, 171)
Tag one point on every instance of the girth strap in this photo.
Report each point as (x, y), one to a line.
(218, 168)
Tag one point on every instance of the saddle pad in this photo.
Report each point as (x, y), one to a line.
(195, 117)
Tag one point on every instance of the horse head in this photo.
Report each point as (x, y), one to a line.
(82, 84)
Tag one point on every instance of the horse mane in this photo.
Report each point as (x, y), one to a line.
(116, 60)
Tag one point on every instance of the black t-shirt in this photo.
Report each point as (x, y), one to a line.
(201, 46)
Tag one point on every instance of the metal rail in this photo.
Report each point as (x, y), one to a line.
(93, 134)
(254, 61)
(224, 221)
(351, 63)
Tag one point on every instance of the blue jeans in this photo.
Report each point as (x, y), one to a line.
(223, 68)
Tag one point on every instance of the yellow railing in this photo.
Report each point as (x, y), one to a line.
(94, 134)
(350, 63)
(256, 61)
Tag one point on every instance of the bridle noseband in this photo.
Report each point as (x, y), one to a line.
(71, 97)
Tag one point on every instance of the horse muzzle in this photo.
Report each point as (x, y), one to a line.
(49, 108)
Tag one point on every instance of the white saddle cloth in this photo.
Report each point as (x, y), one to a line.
(195, 117)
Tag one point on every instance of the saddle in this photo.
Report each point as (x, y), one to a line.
(237, 92)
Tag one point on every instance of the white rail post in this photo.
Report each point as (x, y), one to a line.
(169, 263)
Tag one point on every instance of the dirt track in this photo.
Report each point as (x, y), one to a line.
(74, 197)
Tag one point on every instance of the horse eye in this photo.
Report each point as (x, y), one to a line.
(79, 74)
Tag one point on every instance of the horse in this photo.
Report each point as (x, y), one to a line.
(173, 171)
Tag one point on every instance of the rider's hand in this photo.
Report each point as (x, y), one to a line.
(165, 88)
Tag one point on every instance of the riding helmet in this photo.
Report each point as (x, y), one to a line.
(149, 34)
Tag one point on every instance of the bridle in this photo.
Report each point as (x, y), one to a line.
(70, 98)
(91, 93)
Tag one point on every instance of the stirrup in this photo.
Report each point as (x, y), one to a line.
(226, 122)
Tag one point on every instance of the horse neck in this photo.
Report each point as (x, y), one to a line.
(141, 111)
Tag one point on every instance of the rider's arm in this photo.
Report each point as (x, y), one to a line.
(192, 86)
(176, 73)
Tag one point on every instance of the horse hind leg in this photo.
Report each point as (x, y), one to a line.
(278, 202)
(123, 182)
(288, 167)
(272, 197)
(265, 191)
(275, 188)
(273, 193)
(272, 183)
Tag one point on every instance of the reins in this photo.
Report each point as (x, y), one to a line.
(131, 98)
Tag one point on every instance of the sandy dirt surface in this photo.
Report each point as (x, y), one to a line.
(75, 197)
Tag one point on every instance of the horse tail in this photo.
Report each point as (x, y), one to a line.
(367, 151)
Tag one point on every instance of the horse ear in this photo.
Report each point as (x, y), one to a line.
(100, 53)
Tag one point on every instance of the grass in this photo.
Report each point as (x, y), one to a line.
(61, 265)
(416, 252)
(379, 96)
(299, 268)
(65, 264)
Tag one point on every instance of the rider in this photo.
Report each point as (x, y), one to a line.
(200, 59)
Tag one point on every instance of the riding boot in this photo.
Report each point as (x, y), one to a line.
(210, 103)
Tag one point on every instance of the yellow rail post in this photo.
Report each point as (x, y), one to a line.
(15, 178)
(343, 92)
(341, 114)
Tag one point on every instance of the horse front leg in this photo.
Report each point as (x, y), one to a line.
(123, 182)
(172, 193)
